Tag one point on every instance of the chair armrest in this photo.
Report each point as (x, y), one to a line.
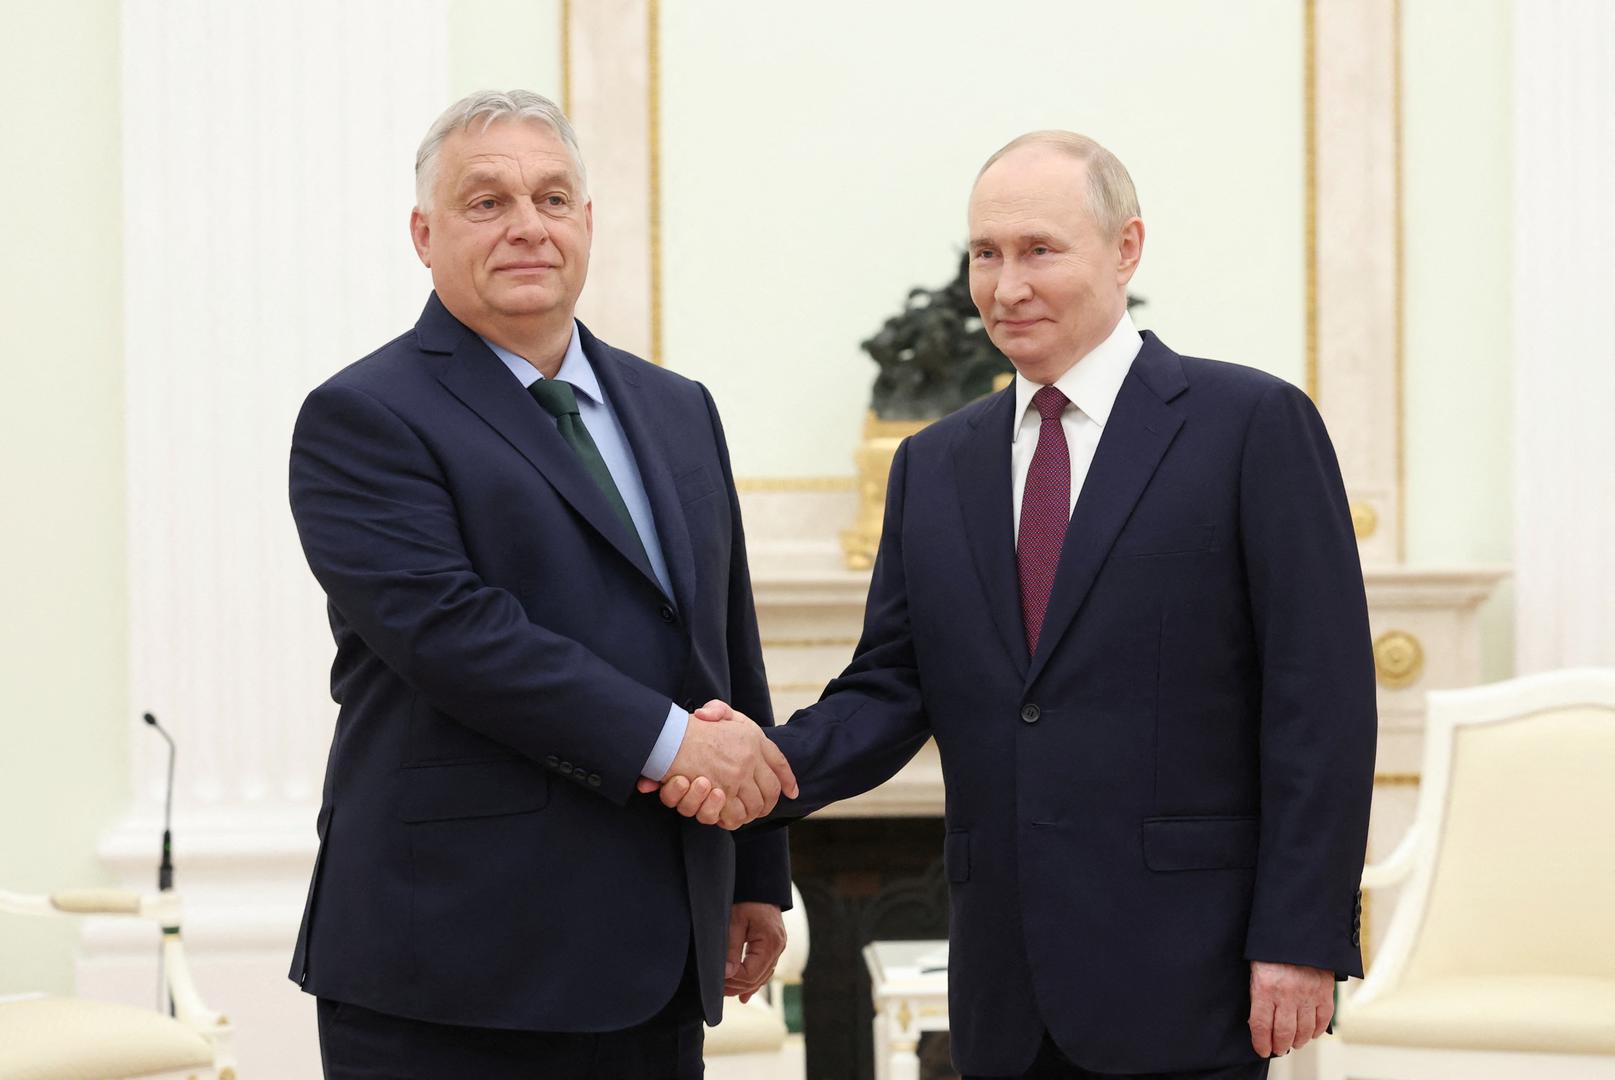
(1397, 865)
(162, 908)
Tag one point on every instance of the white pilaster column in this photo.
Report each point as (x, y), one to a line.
(612, 53)
(1564, 333)
(1355, 362)
(268, 174)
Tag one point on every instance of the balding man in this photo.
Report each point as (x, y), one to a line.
(532, 549)
(1123, 594)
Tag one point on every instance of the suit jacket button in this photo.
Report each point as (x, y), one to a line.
(594, 779)
(1356, 938)
(566, 768)
(552, 761)
(667, 613)
(1030, 714)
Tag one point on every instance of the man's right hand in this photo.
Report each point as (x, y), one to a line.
(737, 773)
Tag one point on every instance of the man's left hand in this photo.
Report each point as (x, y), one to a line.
(756, 938)
(1290, 1005)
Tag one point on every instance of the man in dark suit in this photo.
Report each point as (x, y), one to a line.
(1124, 596)
(533, 555)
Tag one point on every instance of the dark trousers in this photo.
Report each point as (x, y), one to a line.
(358, 1044)
(1051, 1064)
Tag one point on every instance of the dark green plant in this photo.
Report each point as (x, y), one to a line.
(934, 355)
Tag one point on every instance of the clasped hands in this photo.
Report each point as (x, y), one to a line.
(726, 771)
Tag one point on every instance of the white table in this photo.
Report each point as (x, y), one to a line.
(909, 982)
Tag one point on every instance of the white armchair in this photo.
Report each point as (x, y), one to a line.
(1500, 958)
(54, 1038)
(753, 1042)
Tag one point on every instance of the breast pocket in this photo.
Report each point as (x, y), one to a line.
(1170, 540)
(695, 483)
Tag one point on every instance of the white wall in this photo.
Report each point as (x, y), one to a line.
(504, 45)
(70, 721)
(817, 159)
(1458, 231)
(64, 710)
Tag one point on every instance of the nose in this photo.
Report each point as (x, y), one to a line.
(526, 223)
(1011, 287)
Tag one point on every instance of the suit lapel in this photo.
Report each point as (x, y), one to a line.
(982, 477)
(1141, 426)
(472, 373)
(638, 413)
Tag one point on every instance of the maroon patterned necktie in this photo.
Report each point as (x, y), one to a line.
(1045, 512)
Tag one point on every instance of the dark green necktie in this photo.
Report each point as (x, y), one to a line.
(561, 402)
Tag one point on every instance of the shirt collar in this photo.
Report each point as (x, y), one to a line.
(1092, 383)
(575, 367)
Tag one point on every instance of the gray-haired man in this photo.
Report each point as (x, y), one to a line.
(533, 554)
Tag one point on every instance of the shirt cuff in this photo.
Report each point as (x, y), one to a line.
(667, 744)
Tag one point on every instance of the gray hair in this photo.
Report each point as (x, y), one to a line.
(489, 106)
(1111, 198)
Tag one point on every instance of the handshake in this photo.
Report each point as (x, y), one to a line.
(726, 771)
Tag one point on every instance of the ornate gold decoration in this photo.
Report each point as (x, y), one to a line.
(904, 1016)
(1397, 779)
(1398, 659)
(1364, 520)
(874, 458)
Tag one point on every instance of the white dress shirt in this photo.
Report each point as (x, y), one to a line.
(1091, 386)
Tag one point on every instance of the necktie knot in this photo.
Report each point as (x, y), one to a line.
(1050, 403)
(557, 397)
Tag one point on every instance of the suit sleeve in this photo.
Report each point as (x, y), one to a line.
(1318, 724)
(381, 533)
(871, 719)
(762, 859)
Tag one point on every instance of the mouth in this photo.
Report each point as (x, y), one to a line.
(524, 268)
(1017, 324)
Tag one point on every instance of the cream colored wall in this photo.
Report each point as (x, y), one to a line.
(67, 721)
(1458, 195)
(65, 717)
(817, 159)
(505, 44)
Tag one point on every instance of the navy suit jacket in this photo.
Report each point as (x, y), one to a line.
(1178, 781)
(504, 663)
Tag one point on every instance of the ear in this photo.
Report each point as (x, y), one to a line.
(1129, 250)
(588, 220)
(421, 234)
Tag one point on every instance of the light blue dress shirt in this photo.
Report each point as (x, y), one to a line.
(607, 433)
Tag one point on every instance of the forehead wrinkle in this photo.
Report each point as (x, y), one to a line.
(495, 168)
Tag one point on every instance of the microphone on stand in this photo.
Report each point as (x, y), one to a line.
(165, 869)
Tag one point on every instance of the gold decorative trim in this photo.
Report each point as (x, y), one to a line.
(653, 128)
(1364, 520)
(809, 643)
(796, 483)
(1398, 659)
(1309, 67)
(1397, 779)
(1400, 284)
(566, 57)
